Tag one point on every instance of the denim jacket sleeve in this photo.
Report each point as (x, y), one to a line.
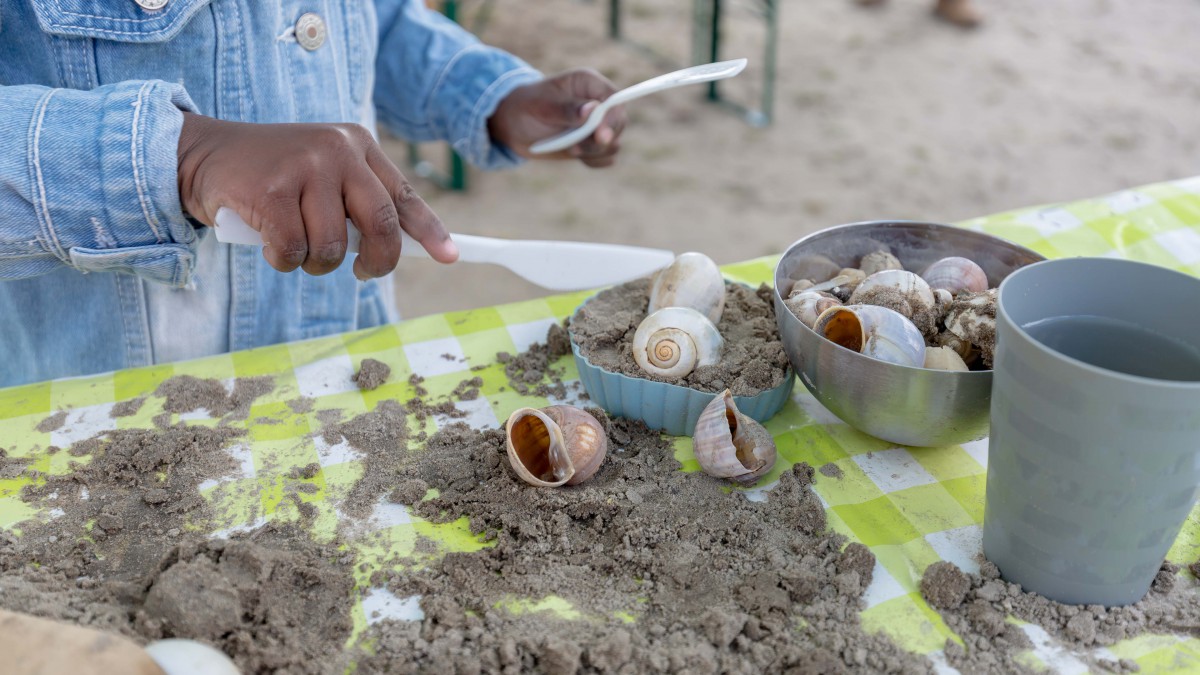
(88, 181)
(436, 81)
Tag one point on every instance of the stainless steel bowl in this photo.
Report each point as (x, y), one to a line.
(901, 404)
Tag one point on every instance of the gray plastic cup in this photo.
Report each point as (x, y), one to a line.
(1092, 470)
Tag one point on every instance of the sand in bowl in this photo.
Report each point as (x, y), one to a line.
(751, 362)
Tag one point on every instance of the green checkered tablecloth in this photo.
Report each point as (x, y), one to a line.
(911, 506)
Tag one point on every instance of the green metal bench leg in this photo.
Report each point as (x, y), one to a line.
(707, 17)
(456, 178)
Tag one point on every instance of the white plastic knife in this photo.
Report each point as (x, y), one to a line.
(556, 265)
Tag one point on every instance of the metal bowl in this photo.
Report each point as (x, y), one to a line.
(901, 404)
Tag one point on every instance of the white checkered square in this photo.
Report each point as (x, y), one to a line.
(245, 460)
(525, 334)
(479, 414)
(1183, 244)
(82, 423)
(883, 587)
(436, 357)
(1190, 184)
(978, 450)
(893, 469)
(333, 375)
(1051, 221)
(330, 455)
(380, 604)
(1127, 200)
(960, 546)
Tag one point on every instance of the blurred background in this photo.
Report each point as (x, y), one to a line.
(875, 112)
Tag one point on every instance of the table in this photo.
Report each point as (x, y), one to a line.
(913, 507)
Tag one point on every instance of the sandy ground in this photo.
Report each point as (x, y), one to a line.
(880, 113)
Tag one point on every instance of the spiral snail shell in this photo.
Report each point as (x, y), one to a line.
(673, 341)
(728, 444)
(556, 445)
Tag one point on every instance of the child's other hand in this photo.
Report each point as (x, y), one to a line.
(297, 184)
(552, 106)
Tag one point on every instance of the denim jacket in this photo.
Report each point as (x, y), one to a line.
(99, 267)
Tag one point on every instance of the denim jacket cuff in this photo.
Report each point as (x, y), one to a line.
(482, 77)
(106, 179)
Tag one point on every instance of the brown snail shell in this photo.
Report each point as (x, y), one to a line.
(728, 444)
(556, 445)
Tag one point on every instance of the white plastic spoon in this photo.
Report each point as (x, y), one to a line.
(708, 72)
(556, 265)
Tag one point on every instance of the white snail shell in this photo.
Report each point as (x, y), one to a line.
(874, 331)
(556, 445)
(956, 274)
(944, 358)
(972, 318)
(673, 341)
(903, 292)
(728, 444)
(177, 656)
(878, 261)
(692, 280)
(808, 305)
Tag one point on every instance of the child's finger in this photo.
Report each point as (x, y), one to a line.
(414, 214)
(325, 226)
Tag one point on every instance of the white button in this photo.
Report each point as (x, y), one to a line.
(152, 5)
(310, 31)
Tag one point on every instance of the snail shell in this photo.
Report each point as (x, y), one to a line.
(728, 444)
(878, 261)
(842, 284)
(813, 267)
(956, 274)
(671, 342)
(556, 445)
(692, 280)
(808, 305)
(874, 331)
(800, 286)
(972, 318)
(903, 292)
(944, 358)
(965, 350)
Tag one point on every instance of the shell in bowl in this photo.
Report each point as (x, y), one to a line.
(908, 405)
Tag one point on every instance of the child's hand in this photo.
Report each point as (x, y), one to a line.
(297, 184)
(543, 109)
